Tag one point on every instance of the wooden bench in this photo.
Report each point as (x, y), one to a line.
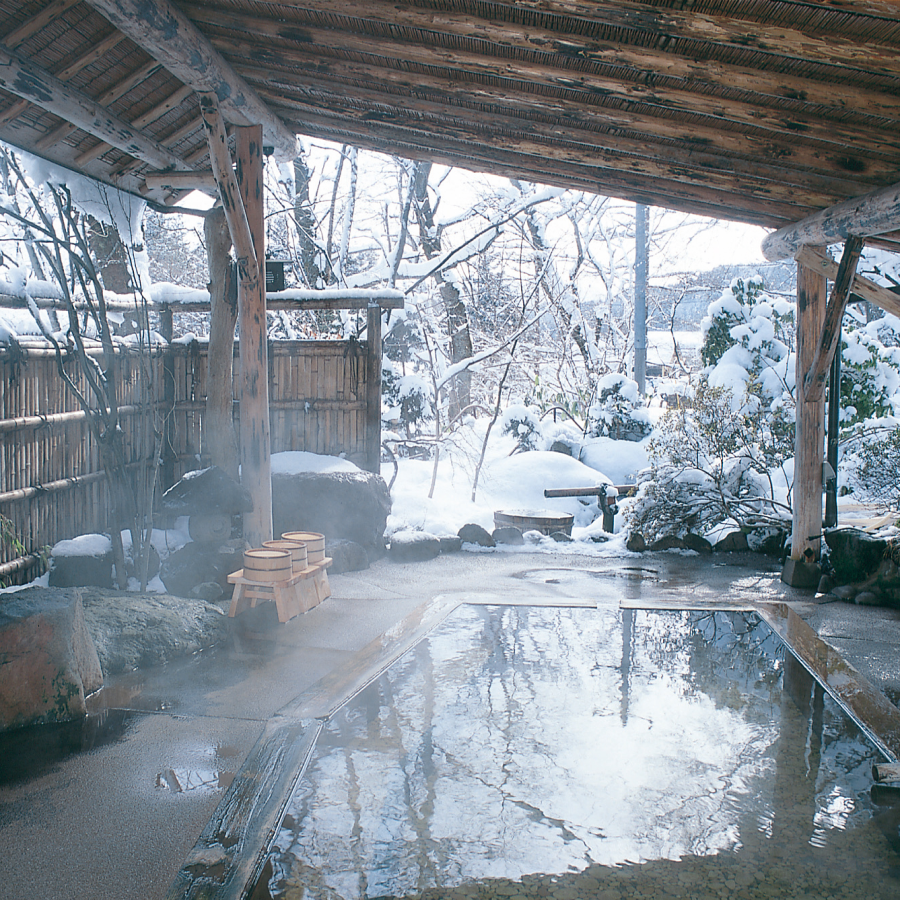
(297, 594)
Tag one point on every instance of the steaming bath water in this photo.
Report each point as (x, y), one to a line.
(590, 753)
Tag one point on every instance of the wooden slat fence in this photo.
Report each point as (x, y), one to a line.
(52, 485)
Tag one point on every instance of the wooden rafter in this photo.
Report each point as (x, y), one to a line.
(32, 83)
(116, 92)
(565, 137)
(170, 37)
(814, 380)
(177, 181)
(32, 26)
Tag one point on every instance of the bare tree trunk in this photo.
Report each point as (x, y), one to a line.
(316, 267)
(219, 435)
(454, 306)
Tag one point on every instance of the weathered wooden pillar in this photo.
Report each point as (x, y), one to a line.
(167, 330)
(801, 570)
(220, 440)
(256, 471)
(373, 389)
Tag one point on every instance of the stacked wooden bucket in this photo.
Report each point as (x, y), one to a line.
(291, 571)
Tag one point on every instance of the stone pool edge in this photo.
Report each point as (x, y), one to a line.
(229, 857)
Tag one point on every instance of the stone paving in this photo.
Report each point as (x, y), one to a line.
(111, 808)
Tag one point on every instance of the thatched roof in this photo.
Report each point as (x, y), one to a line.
(760, 111)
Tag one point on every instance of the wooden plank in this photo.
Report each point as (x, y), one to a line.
(809, 449)
(814, 383)
(193, 181)
(819, 261)
(863, 702)
(580, 114)
(572, 107)
(874, 213)
(167, 34)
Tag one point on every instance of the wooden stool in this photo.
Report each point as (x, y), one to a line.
(320, 579)
(292, 596)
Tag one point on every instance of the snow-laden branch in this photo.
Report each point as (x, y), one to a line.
(452, 371)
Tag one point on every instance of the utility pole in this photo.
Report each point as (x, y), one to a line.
(641, 265)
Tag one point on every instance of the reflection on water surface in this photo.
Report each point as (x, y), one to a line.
(590, 753)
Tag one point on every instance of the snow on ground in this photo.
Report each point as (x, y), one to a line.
(511, 481)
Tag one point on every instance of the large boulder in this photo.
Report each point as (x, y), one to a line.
(854, 554)
(134, 630)
(84, 560)
(48, 662)
(206, 492)
(348, 505)
(196, 564)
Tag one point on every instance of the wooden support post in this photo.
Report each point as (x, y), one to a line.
(373, 389)
(814, 380)
(219, 438)
(242, 200)
(256, 470)
(166, 330)
(801, 569)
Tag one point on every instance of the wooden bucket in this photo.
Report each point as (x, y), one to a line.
(297, 549)
(264, 564)
(315, 544)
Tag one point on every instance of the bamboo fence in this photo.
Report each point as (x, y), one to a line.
(52, 484)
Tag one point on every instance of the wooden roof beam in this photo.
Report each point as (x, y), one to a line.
(551, 121)
(512, 24)
(44, 90)
(642, 72)
(169, 36)
(872, 214)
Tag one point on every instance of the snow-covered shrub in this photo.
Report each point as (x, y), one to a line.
(407, 400)
(618, 411)
(747, 347)
(523, 425)
(870, 461)
(870, 375)
(709, 463)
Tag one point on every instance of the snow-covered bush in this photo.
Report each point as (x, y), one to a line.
(618, 410)
(407, 400)
(747, 347)
(523, 425)
(870, 460)
(870, 375)
(709, 463)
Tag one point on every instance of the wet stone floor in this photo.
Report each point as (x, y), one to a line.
(591, 754)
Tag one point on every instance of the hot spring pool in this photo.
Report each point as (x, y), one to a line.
(523, 752)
